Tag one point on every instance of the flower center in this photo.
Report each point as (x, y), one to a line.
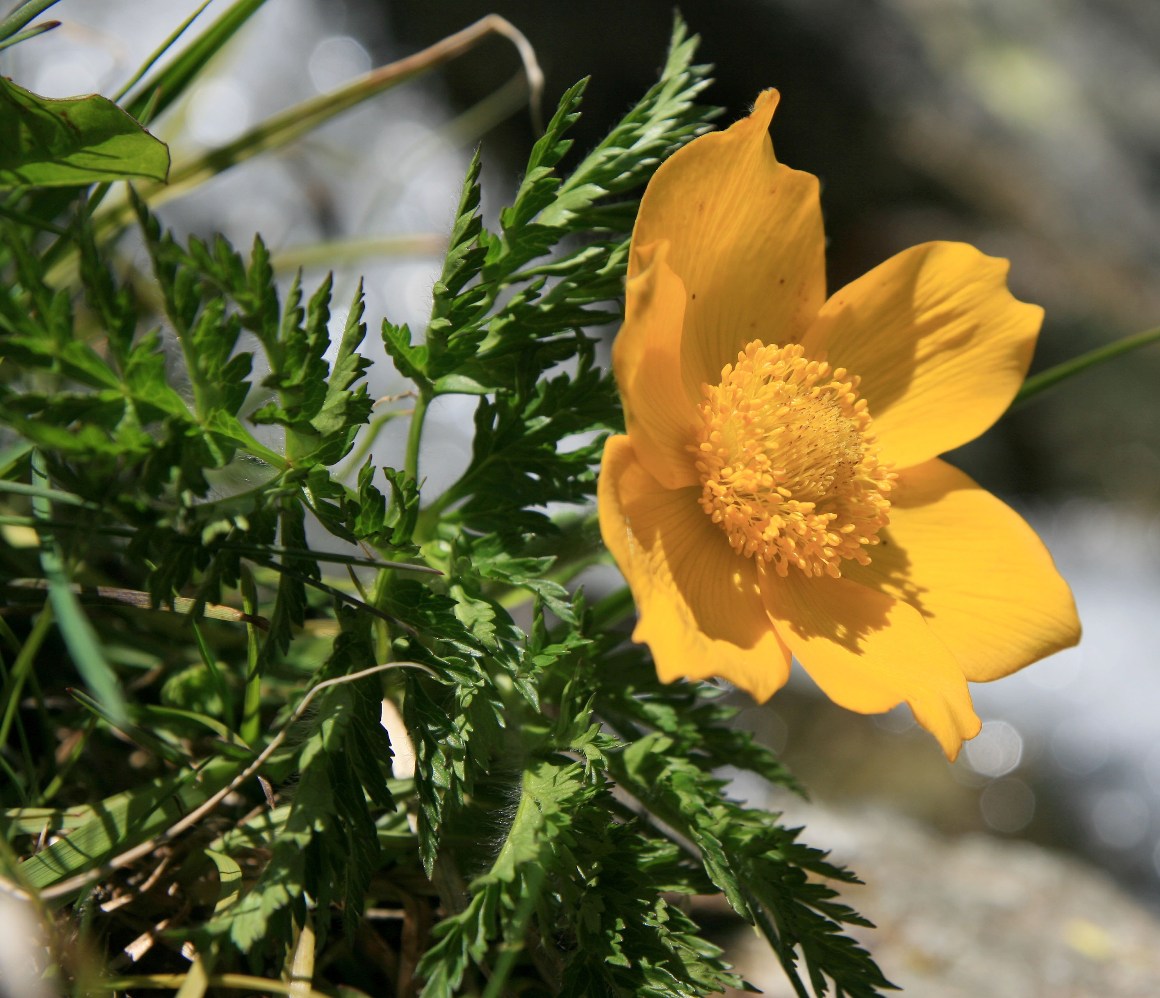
(789, 467)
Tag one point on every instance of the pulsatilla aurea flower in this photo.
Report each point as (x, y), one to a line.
(779, 490)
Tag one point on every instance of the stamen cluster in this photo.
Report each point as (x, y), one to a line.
(788, 464)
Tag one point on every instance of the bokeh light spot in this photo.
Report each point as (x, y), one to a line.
(1080, 748)
(996, 750)
(1007, 805)
(335, 60)
(1121, 818)
(219, 111)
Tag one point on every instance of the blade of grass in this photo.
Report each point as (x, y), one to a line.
(291, 124)
(14, 779)
(34, 820)
(21, 16)
(79, 635)
(117, 821)
(8, 636)
(158, 742)
(196, 982)
(157, 53)
(333, 253)
(209, 660)
(51, 495)
(300, 961)
(169, 982)
(231, 745)
(13, 454)
(169, 83)
(23, 36)
(21, 668)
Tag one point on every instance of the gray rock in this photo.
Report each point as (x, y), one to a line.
(975, 915)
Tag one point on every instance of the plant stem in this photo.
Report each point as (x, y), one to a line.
(292, 123)
(415, 435)
(1060, 372)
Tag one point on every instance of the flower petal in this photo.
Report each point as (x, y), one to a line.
(869, 652)
(975, 570)
(939, 342)
(700, 610)
(646, 356)
(746, 235)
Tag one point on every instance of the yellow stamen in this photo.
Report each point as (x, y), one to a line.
(789, 468)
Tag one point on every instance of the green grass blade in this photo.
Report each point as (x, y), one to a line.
(285, 127)
(10, 692)
(159, 742)
(23, 36)
(51, 495)
(23, 13)
(328, 254)
(118, 822)
(34, 820)
(158, 52)
(159, 92)
(75, 629)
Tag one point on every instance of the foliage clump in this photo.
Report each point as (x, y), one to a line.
(193, 681)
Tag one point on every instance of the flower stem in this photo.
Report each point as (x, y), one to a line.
(1077, 365)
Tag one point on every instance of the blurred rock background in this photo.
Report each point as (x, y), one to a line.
(1030, 129)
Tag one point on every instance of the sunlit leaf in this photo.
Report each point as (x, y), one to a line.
(72, 142)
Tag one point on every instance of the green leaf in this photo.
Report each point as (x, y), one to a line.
(490, 558)
(665, 118)
(229, 880)
(540, 183)
(520, 462)
(117, 823)
(345, 410)
(768, 877)
(383, 524)
(410, 358)
(327, 846)
(450, 338)
(72, 142)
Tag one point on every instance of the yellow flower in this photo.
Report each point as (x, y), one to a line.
(779, 489)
